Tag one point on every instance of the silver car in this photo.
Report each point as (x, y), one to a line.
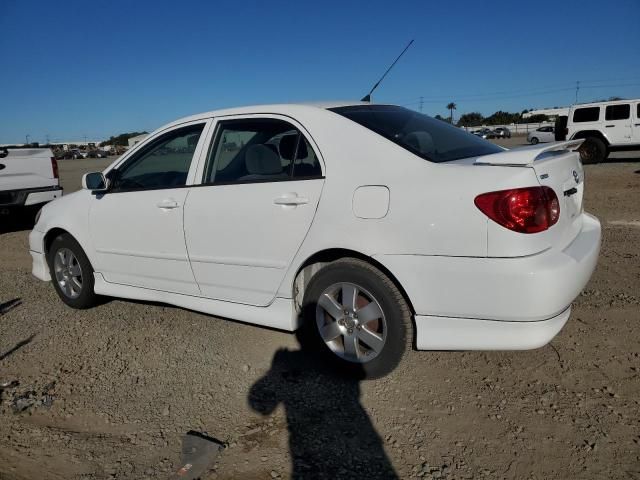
(542, 135)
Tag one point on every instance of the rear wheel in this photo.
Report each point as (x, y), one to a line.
(71, 272)
(357, 319)
(534, 140)
(593, 150)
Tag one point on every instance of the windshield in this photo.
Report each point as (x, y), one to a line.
(431, 139)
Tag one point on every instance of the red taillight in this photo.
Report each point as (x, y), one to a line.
(524, 210)
(54, 167)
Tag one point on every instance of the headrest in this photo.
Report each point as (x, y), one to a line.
(421, 141)
(261, 160)
(287, 147)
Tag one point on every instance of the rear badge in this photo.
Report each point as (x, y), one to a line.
(576, 177)
(544, 176)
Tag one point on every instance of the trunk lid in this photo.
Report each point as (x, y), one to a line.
(556, 165)
(26, 168)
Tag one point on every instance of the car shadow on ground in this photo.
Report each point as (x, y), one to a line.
(330, 434)
(17, 221)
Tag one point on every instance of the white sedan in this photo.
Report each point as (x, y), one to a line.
(373, 228)
(541, 135)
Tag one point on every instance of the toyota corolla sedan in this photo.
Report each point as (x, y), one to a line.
(371, 228)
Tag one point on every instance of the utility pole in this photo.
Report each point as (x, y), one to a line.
(47, 137)
(577, 89)
(26, 137)
(421, 103)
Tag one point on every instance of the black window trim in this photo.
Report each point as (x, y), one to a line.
(146, 146)
(573, 116)
(217, 134)
(606, 110)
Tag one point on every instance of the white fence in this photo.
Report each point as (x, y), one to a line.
(515, 128)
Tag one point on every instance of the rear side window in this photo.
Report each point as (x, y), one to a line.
(617, 112)
(259, 150)
(431, 139)
(587, 114)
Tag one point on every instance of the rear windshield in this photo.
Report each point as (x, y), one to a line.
(431, 139)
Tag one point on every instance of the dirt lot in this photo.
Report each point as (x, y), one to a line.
(116, 387)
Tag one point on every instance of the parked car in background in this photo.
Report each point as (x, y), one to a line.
(485, 133)
(541, 135)
(605, 126)
(28, 178)
(313, 213)
(97, 154)
(502, 132)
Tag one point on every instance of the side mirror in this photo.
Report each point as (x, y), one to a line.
(94, 181)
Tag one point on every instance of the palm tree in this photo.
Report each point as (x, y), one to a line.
(451, 107)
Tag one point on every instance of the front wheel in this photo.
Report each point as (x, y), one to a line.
(357, 319)
(71, 272)
(534, 141)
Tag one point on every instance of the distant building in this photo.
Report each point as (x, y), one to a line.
(137, 139)
(549, 112)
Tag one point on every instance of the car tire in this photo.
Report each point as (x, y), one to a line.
(534, 141)
(71, 272)
(358, 347)
(593, 150)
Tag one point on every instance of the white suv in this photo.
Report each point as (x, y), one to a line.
(605, 126)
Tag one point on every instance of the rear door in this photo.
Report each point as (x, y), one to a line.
(260, 189)
(617, 123)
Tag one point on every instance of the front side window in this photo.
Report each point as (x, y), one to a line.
(587, 114)
(617, 112)
(164, 163)
(431, 139)
(259, 150)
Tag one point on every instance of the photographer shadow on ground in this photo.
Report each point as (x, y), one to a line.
(330, 433)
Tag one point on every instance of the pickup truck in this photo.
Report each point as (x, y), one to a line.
(28, 178)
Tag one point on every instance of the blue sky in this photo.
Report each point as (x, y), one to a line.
(99, 68)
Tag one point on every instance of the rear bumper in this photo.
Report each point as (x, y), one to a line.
(29, 196)
(537, 288)
(442, 333)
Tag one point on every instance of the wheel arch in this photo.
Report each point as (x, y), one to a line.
(591, 133)
(51, 235)
(307, 269)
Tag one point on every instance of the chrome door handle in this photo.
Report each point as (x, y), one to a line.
(291, 200)
(168, 204)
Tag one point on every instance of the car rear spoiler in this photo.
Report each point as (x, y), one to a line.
(527, 155)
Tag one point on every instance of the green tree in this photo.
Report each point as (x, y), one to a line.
(502, 118)
(451, 107)
(472, 119)
(440, 117)
(121, 139)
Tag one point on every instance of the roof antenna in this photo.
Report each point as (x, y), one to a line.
(367, 97)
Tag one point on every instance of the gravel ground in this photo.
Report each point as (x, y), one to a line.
(109, 392)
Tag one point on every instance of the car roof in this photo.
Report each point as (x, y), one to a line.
(599, 104)
(269, 108)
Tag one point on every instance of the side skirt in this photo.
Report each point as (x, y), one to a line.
(280, 314)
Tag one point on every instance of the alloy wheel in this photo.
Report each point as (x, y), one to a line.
(351, 322)
(68, 273)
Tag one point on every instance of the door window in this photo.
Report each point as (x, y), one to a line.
(259, 150)
(164, 163)
(587, 114)
(617, 112)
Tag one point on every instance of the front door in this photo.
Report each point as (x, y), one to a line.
(137, 226)
(617, 123)
(261, 185)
